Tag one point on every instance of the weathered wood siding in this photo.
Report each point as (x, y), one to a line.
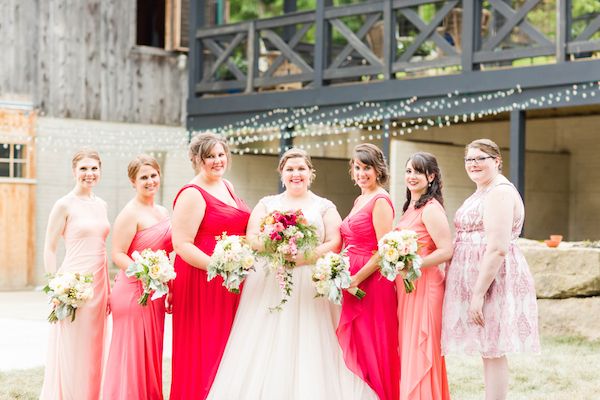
(78, 59)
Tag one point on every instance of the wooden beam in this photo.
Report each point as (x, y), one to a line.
(517, 150)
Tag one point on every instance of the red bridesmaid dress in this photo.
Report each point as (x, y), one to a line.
(203, 311)
(368, 328)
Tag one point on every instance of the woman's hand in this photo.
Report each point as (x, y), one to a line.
(354, 281)
(169, 303)
(475, 310)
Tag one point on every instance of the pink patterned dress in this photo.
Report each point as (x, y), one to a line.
(134, 368)
(510, 308)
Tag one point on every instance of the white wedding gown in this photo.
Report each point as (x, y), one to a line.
(291, 354)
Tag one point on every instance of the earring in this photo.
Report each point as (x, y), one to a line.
(429, 184)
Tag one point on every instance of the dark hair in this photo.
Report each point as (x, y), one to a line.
(371, 155)
(426, 163)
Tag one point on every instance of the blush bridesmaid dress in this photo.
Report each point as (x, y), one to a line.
(420, 318)
(134, 368)
(368, 328)
(203, 311)
(75, 349)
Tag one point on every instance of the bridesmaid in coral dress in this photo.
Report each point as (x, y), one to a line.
(203, 312)
(134, 368)
(368, 328)
(420, 313)
(75, 349)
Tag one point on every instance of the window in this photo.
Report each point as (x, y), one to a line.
(151, 23)
(13, 160)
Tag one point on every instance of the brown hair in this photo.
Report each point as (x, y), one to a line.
(201, 146)
(426, 163)
(488, 146)
(371, 155)
(85, 152)
(295, 152)
(140, 160)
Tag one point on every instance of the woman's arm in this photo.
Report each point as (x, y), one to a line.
(188, 214)
(383, 217)
(332, 241)
(253, 228)
(497, 225)
(124, 230)
(435, 221)
(56, 226)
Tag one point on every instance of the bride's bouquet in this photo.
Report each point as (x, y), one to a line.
(331, 275)
(398, 252)
(285, 235)
(154, 270)
(232, 259)
(68, 291)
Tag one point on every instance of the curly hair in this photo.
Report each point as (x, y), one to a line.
(426, 163)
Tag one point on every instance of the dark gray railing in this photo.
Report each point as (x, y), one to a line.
(319, 48)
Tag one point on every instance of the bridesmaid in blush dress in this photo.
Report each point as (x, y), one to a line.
(134, 368)
(368, 328)
(420, 312)
(203, 311)
(75, 349)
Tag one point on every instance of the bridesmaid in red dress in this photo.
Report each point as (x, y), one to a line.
(368, 328)
(134, 368)
(420, 312)
(203, 311)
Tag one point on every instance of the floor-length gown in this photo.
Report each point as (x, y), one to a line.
(368, 328)
(420, 321)
(292, 354)
(75, 349)
(134, 368)
(203, 311)
(509, 307)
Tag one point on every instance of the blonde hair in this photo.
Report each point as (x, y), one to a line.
(371, 155)
(488, 146)
(201, 146)
(295, 152)
(140, 160)
(85, 152)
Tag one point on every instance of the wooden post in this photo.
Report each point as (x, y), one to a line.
(563, 28)
(322, 42)
(517, 150)
(471, 33)
(252, 54)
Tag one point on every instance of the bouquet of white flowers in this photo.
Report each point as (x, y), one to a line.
(397, 252)
(331, 275)
(68, 291)
(154, 270)
(232, 259)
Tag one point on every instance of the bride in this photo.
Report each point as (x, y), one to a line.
(292, 354)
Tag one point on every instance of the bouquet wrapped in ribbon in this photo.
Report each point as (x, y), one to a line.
(68, 291)
(154, 270)
(285, 235)
(398, 255)
(331, 275)
(232, 259)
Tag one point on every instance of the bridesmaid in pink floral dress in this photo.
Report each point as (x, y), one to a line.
(134, 368)
(75, 349)
(368, 328)
(420, 312)
(203, 312)
(490, 306)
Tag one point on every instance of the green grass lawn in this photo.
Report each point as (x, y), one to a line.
(567, 369)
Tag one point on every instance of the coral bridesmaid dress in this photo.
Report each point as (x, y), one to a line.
(203, 311)
(75, 349)
(368, 328)
(420, 322)
(134, 368)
